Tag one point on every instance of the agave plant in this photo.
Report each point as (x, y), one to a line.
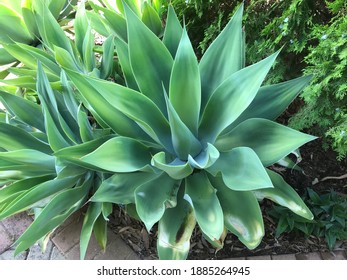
(183, 142)
(78, 54)
(18, 21)
(195, 140)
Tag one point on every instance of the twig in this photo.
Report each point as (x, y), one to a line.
(334, 178)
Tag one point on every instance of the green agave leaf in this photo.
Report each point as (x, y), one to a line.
(151, 18)
(120, 188)
(30, 55)
(100, 231)
(119, 154)
(153, 197)
(5, 58)
(13, 138)
(232, 97)
(66, 60)
(223, 58)
(270, 141)
(115, 21)
(98, 23)
(176, 169)
(29, 17)
(208, 211)
(173, 32)
(36, 194)
(272, 100)
(12, 26)
(174, 231)
(123, 56)
(80, 27)
(57, 137)
(185, 86)
(90, 218)
(285, 195)
(50, 31)
(183, 140)
(86, 130)
(205, 159)
(242, 214)
(88, 51)
(133, 104)
(107, 58)
(24, 82)
(151, 62)
(11, 191)
(27, 111)
(56, 211)
(241, 170)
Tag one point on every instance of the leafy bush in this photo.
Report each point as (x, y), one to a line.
(314, 37)
(330, 211)
(182, 142)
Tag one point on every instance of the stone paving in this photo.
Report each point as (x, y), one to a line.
(64, 245)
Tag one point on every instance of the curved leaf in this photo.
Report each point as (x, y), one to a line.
(242, 214)
(151, 61)
(272, 100)
(176, 169)
(285, 195)
(119, 154)
(241, 170)
(232, 97)
(153, 197)
(185, 86)
(222, 58)
(270, 141)
(206, 158)
(174, 231)
(208, 211)
(120, 188)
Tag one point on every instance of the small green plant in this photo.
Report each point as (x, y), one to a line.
(181, 143)
(330, 223)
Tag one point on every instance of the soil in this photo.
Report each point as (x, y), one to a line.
(318, 167)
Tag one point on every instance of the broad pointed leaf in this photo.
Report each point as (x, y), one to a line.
(119, 154)
(173, 32)
(120, 188)
(272, 100)
(242, 214)
(206, 158)
(151, 61)
(183, 140)
(153, 197)
(185, 86)
(107, 58)
(232, 97)
(222, 58)
(241, 170)
(175, 230)
(151, 18)
(270, 141)
(285, 195)
(208, 211)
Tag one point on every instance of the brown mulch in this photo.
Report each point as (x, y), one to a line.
(316, 163)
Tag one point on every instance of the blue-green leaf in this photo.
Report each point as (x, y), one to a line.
(242, 214)
(153, 197)
(185, 86)
(270, 141)
(120, 188)
(151, 18)
(150, 60)
(223, 58)
(208, 211)
(241, 170)
(285, 195)
(232, 97)
(173, 31)
(176, 168)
